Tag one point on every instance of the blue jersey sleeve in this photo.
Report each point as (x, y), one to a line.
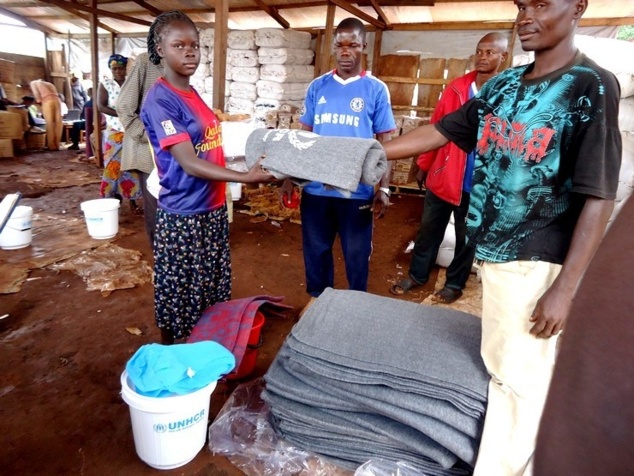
(383, 117)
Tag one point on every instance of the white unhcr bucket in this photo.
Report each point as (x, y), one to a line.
(236, 190)
(102, 217)
(168, 432)
(17, 233)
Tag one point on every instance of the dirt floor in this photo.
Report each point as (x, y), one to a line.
(63, 348)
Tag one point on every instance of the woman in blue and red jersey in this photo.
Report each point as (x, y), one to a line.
(192, 265)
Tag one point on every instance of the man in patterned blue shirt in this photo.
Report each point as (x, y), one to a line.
(548, 153)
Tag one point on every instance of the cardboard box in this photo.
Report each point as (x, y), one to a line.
(11, 125)
(11, 90)
(6, 148)
(7, 71)
(24, 114)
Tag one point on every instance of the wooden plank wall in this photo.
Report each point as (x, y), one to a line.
(402, 75)
(401, 66)
(27, 68)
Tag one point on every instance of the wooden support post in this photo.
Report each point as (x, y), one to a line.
(376, 54)
(326, 44)
(221, 27)
(509, 59)
(96, 115)
(318, 57)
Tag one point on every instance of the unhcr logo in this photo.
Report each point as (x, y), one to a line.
(183, 424)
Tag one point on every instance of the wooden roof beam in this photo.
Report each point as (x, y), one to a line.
(379, 11)
(153, 10)
(398, 3)
(358, 13)
(96, 11)
(26, 21)
(76, 13)
(273, 13)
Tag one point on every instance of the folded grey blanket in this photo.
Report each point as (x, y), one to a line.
(374, 428)
(342, 162)
(282, 379)
(367, 334)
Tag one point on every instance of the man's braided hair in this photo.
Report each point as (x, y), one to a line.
(157, 28)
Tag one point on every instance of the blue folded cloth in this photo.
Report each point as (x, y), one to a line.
(158, 370)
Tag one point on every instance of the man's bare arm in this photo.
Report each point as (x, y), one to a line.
(553, 307)
(422, 139)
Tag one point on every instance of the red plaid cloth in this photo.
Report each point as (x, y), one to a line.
(229, 323)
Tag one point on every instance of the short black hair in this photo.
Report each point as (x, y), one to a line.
(157, 27)
(351, 23)
(28, 98)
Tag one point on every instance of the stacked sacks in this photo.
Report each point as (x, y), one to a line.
(286, 70)
(242, 59)
(611, 54)
(362, 376)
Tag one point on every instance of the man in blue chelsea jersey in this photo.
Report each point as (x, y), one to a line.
(346, 102)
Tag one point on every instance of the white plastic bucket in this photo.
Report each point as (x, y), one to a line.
(102, 217)
(17, 233)
(236, 190)
(170, 431)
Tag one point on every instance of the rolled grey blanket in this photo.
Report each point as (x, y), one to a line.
(341, 162)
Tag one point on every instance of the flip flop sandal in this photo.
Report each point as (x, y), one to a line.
(404, 286)
(447, 295)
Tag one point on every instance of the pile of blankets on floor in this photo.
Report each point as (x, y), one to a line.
(362, 376)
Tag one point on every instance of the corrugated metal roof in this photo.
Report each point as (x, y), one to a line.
(133, 17)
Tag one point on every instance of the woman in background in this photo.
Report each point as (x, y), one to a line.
(115, 183)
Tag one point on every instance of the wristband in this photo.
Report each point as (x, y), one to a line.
(385, 190)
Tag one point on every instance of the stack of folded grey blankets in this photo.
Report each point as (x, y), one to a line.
(362, 376)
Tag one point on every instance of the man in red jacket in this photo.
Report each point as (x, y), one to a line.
(448, 173)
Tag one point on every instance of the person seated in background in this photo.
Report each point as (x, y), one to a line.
(37, 123)
(78, 92)
(63, 106)
(80, 125)
(4, 100)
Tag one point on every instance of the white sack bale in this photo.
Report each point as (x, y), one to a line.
(626, 114)
(447, 248)
(245, 75)
(244, 58)
(264, 105)
(243, 91)
(281, 91)
(626, 174)
(612, 55)
(283, 73)
(239, 106)
(202, 71)
(206, 36)
(279, 38)
(241, 40)
(285, 56)
(209, 84)
(208, 99)
(198, 84)
(235, 135)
